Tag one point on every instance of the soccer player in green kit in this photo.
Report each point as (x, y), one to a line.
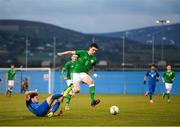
(67, 74)
(168, 79)
(10, 78)
(85, 63)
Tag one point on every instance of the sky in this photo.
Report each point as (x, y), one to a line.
(93, 16)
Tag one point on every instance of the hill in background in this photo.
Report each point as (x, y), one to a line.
(36, 42)
(168, 34)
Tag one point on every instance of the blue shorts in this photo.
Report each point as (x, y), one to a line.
(151, 88)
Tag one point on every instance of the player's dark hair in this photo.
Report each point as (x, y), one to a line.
(168, 65)
(153, 65)
(33, 95)
(94, 45)
(11, 65)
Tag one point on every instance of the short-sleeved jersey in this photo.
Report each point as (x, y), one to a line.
(168, 76)
(32, 106)
(11, 74)
(68, 69)
(84, 62)
(152, 77)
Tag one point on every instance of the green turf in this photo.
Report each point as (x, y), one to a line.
(134, 110)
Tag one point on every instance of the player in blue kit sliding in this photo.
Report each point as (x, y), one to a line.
(47, 107)
(152, 75)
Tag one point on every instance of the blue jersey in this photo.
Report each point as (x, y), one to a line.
(38, 109)
(152, 77)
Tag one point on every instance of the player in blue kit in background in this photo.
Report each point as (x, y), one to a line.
(152, 75)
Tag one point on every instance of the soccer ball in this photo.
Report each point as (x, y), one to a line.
(95, 75)
(114, 110)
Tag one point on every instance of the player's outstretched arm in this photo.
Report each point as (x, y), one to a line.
(145, 78)
(91, 69)
(158, 78)
(173, 79)
(163, 79)
(64, 73)
(66, 53)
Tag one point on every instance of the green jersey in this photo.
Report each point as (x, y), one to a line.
(84, 61)
(11, 74)
(168, 76)
(68, 69)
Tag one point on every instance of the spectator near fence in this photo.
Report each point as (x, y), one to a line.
(24, 85)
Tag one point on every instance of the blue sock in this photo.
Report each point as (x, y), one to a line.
(56, 96)
(55, 107)
(150, 96)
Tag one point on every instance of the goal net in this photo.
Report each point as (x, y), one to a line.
(38, 78)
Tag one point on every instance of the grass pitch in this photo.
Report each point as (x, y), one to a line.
(134, 110)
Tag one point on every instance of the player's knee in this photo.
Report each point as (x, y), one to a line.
(89, 81)
(76, 89)
(57, 101)
(92, 82)
(49, 99)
